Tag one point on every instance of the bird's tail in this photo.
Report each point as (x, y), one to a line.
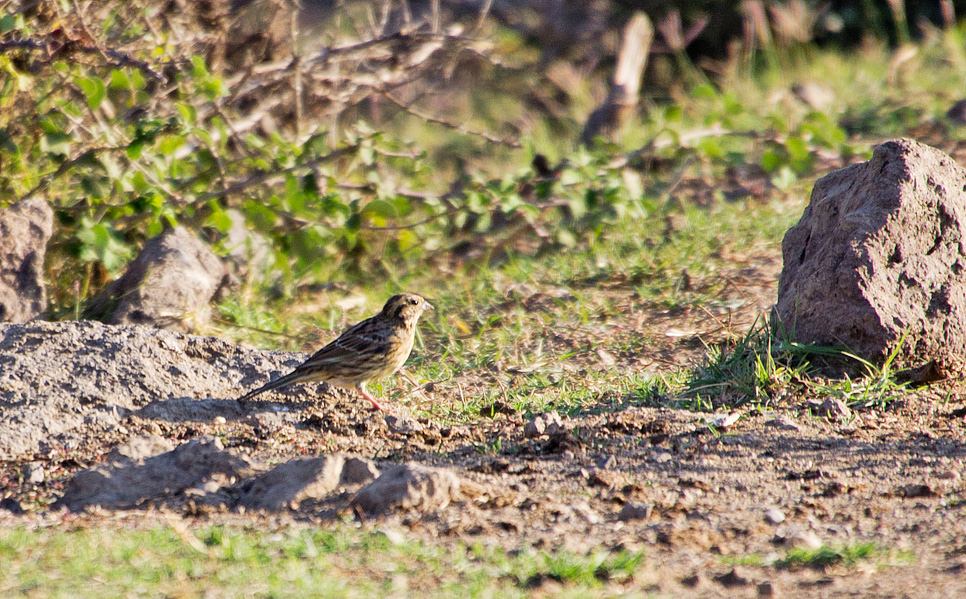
(288, 379)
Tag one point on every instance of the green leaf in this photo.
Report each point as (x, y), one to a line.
(94, 89)
(120, 80)
(771, 161)
(381, 208)
(705, 91)
(11, 22)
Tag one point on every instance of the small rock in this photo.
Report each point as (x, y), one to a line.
(585, 513)
(916, 490)
(805, 539)
(834, 409)
(783, 423)
(394, 536)
(724, 420)
(634, 510)
(663, 457)
(774, 516)
(732, 579)
(606, 358)
(607, 479)
(220, 420)
(402, 422)
(33, 473)
(132, 473)
(607, 462)
(948, 475)
(957, 112)
(544, 424)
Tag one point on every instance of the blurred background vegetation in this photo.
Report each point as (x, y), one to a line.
(386, 143)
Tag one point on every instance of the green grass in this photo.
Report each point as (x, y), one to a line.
(222, 561)
(848, 555)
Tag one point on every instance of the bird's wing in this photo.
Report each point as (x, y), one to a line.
(363, 338)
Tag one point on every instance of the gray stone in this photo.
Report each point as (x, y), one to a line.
(25, 229)
(33, 473)
(169, 285)
(544, 424)
(634, 510)
(833, 409)
(774, 516)
(880, 254)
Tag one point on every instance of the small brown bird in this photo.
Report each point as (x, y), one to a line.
(370, 350)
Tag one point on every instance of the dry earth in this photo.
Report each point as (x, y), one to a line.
(694, 498)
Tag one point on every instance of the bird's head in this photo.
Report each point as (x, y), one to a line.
(406, 307)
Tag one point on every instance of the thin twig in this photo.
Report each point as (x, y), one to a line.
(461, 128)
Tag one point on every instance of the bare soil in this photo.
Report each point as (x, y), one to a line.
(707, 505)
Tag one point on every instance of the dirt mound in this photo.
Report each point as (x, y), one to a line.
(147, 470)
(879, 255)
(137, 472)
(58, 376)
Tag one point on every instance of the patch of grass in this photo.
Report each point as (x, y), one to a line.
(755, 369)
(848, 556)
(763, 366)
(222, 561)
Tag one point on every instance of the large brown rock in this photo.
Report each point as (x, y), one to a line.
(169, 285)
(25, 229)
(880, 253)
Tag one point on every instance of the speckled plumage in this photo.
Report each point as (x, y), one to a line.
(372, 349)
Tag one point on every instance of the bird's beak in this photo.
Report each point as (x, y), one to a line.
(427, 306)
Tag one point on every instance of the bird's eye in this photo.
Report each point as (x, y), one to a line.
(414, 301)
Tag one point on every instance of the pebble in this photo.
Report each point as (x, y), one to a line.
(608, 462)
(544, 424)
(783, 423)
(805, 539)
(220, 420)
(774, 516)
(34, 473)
(634, 510)
(833, 409)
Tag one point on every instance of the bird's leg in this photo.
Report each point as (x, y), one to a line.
(375, 404)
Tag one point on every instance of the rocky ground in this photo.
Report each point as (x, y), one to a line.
(101, 422)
